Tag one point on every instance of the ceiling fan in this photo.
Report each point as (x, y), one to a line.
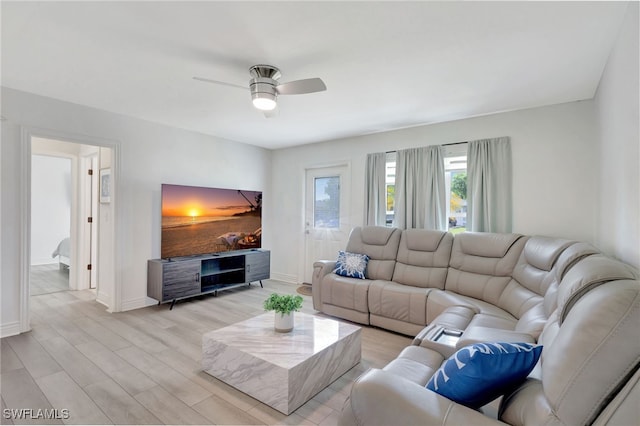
(265, 87)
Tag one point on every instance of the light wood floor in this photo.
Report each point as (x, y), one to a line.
(143, 366)
(48, 278)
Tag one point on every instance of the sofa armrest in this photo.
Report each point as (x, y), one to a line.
(486, 334)
(320, 269)
(382, 398)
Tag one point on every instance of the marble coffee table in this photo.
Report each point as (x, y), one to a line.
(282, 370)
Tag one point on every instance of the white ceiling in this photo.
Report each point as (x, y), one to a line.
(387, 65)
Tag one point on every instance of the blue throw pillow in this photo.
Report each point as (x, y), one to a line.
(477, 374)
(351, 265)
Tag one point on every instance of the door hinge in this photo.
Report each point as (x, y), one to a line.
(90, 172)
(90, 219)
(88, 267)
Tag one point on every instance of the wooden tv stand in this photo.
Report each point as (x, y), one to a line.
(183, 277)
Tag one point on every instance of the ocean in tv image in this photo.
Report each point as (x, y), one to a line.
(199, 220)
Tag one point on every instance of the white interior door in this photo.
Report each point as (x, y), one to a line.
(327, 223)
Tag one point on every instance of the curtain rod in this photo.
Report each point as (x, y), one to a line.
(444, 144)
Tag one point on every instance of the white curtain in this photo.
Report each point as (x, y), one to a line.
(375, 193)
(420, 189)
(489, 199)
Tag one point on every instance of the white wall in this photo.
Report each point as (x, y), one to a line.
(618, 146)
(149, 154)
(50, 206)
(108, 235)
(554, 159)
(11, 253)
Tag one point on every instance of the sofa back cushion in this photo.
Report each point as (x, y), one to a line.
(423, 258)
(567, 259)
(482, 263)
(531, 277)
(591, 272)
(380, 244)
(537, 261)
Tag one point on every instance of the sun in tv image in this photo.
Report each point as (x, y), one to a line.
(198, 220)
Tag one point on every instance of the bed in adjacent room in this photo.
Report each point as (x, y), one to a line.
(63, 252)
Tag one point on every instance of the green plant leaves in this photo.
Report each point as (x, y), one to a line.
(283, 304)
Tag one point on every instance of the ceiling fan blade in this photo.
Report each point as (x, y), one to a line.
(207, 80)
(300, 87)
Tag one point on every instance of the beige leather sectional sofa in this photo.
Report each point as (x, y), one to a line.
(583, 307)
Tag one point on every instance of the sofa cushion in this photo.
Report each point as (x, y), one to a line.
(397, 301)
(535, 272)
(586, 275)
(483, 274)
(440, 300)
(543, 252)
(344, 292)
(380, 244)
(493, 321)
(352, 265)
(455, 317)
(477, 374)
(376, 235)
(532, 322)
(536, 268)
(485, 244)
(569, 257)
(517, 299)
(416, 364)
(423, 258)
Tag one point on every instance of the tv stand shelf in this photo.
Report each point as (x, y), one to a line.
(169, 280)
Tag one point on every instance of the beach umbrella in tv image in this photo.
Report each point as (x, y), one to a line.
(202, 220)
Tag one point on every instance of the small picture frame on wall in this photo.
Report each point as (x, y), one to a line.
(105, 186)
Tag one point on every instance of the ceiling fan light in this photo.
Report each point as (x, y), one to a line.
(264, 101)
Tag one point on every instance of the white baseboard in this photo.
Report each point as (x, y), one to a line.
(287, 278)
(140, 302)
(43, 261)
(103, 298)
(10, 329)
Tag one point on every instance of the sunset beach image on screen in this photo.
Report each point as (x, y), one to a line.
(200, 220)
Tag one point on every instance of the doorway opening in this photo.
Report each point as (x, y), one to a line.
(50, 223)
(64, 216)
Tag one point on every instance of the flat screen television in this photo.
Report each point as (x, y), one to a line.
(199, 220)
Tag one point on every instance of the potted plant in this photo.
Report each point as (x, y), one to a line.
(284, 305)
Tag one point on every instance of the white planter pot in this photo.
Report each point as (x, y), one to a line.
(283, 322)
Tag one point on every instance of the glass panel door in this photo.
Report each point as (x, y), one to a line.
(327, 222)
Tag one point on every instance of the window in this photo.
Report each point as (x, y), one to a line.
(455, 175)
(455, 172)
(326, 202)
(390, 184)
